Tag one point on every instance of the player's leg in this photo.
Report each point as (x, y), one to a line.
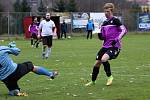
(88, 34)
(23, 69)
(95, 73)
(12, 86)
(62, 34)
(65, 34)
(108, 73)
(42, 71)
(28, 66)
(32, 40)
(107, 69)
(111, 53)
(36, 41)
(12, 79)
(44, 41)
(91, 34)
(43, 51)
(49, 44)
(96, 66)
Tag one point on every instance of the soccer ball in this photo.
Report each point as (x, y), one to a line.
(2, 40)
(69, 37)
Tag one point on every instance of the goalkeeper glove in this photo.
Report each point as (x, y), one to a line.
(12, 44)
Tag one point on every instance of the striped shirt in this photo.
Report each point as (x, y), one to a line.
(112, 29)
(7, 66)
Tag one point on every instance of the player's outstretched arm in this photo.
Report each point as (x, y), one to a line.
(15, 51)
(123, 32)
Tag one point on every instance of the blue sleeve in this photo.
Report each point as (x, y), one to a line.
(14, 51)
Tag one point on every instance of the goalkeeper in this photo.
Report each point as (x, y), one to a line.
(10, 72)
(112, 31)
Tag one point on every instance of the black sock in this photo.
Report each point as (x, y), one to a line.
(95, 73)
(31, 41)
(37, 44)
(107, 68)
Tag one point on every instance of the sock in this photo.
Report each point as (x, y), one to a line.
(107, 68)
(48, 52)
(31, 41)
(43, 50)
(95, 73)
(37, 44)
(42, 71)
(35, 41)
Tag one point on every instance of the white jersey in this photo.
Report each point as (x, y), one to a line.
(46, 27)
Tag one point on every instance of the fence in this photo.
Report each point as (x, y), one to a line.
(11, 23)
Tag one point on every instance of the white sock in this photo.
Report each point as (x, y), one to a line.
(43, 50)
(48, 52)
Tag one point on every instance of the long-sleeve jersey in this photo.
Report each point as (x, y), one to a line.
(90, 26)
(112, 29)
(33, 28)
(7, 66)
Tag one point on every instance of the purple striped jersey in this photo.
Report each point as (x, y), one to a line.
(112, 29)
(33, 28)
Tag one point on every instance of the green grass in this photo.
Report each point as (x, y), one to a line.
(74, 59)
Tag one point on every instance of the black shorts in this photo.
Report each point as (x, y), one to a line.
(113, 52)
(34, 36)
(47, 40)
(22, 69)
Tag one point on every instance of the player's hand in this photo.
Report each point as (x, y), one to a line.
(12, 44)
(39, 36)
(113, 42)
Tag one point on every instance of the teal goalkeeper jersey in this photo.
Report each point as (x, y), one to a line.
(7, 66)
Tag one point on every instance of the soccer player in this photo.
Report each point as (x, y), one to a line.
(89, 28)
(112, 31)
(33, 29)
(46, 31)
(10, 72)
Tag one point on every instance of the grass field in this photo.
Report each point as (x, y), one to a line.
(74, 59)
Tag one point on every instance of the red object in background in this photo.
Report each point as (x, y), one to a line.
(28, 20)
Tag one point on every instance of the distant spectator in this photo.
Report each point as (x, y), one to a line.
(90, 28)
(63, 29)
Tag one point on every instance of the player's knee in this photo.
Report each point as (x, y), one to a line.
(98, 63)
(103, 60)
